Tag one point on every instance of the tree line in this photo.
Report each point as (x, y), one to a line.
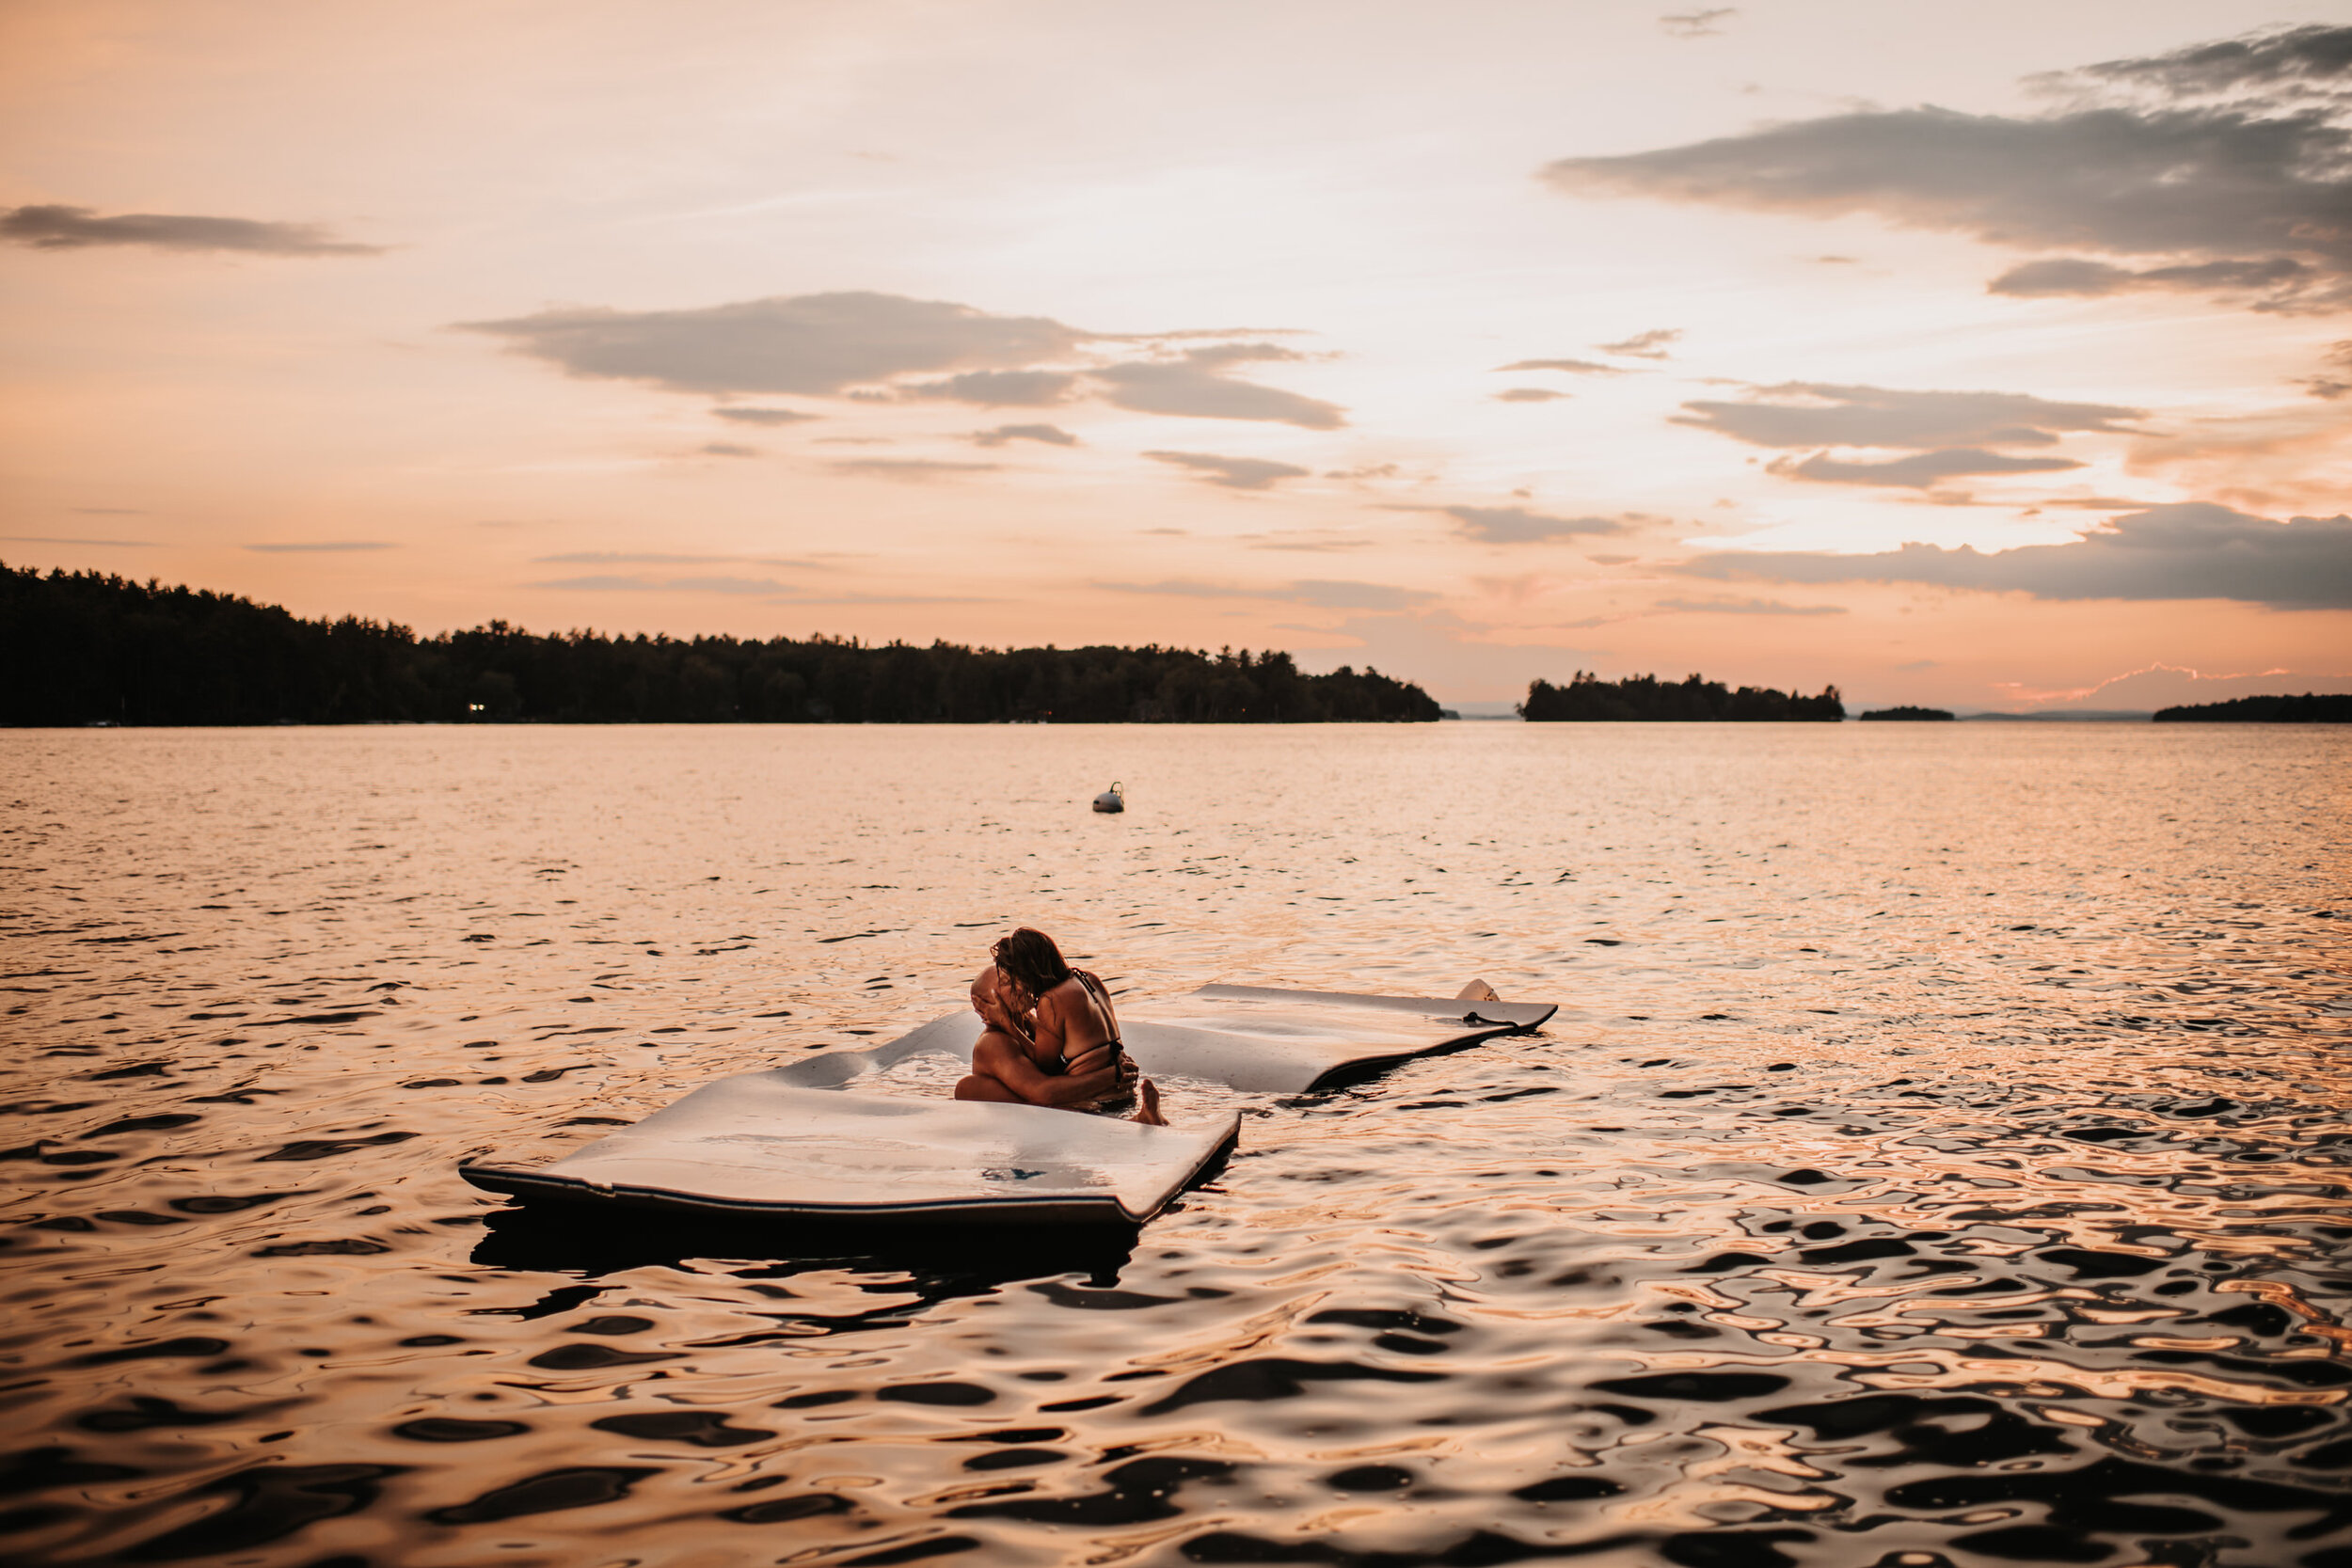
(2320, 708)
(1587, 699)
(87, 647)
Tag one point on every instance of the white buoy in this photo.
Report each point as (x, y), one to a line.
(1113, 799)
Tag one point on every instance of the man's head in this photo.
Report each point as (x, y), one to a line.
(987, 999)
(1031, 961)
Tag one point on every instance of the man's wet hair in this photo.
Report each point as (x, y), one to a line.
(1031, 960)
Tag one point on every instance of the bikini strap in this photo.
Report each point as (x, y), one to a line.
(1102, 1000)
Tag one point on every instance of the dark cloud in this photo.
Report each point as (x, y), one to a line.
(1820, 414)
(809, 343)
(1531, 394)
(728, 449)
(916, 469)
(1234, 473)
(2262, 179)
(1001, 389)
(2336, 381)
(2111, 180)
(1696, 25)
(763, 416)
(1516, 525)
(1193, 386)
(2188, 550)
(2075, 276)
(323, 547)
(1644, 345)
(1921, 470)
(56, 228)
(1242, 353)
(53, 539)
(2313, 55)
(1052, 436)
(879, 348)
(1574, 366)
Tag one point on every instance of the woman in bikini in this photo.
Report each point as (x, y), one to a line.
(1052, 1037)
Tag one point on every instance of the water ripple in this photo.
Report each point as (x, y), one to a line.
(1938, 1159)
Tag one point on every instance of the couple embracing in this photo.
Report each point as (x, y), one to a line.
(1052, 1037)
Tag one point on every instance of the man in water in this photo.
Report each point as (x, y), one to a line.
(1052, 1037)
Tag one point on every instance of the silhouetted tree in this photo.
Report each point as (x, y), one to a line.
(84, 647)
(1589, 699)
(2312, 708)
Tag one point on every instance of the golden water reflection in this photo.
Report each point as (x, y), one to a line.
(1936, 1159)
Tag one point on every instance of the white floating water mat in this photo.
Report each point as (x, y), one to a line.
(1243, 1037)
(788, 1142)
(1260, 1038)
(758, 1144)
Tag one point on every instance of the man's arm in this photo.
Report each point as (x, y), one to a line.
(997, 1057)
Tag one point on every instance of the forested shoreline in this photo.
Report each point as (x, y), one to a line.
(1588, 698)
(2309, 708)
(88, 647)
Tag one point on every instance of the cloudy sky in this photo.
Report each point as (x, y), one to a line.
(1995, 356)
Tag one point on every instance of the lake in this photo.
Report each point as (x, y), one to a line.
(1939, 1156)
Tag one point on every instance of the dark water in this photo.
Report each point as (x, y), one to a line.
(1940, 1157)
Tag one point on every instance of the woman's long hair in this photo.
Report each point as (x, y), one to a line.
(1031, 960)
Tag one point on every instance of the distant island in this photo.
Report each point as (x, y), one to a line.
(86, 647)
(2063, 715)
(1914, 713)
(2309, 708)
(1638, 699)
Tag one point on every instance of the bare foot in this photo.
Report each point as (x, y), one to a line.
(1148, 1105)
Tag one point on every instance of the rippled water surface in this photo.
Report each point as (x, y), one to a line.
(1939, 1156)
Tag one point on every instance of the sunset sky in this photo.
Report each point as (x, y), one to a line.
(1995, 356)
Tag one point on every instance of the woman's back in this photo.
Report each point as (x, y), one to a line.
(1076, 1022)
